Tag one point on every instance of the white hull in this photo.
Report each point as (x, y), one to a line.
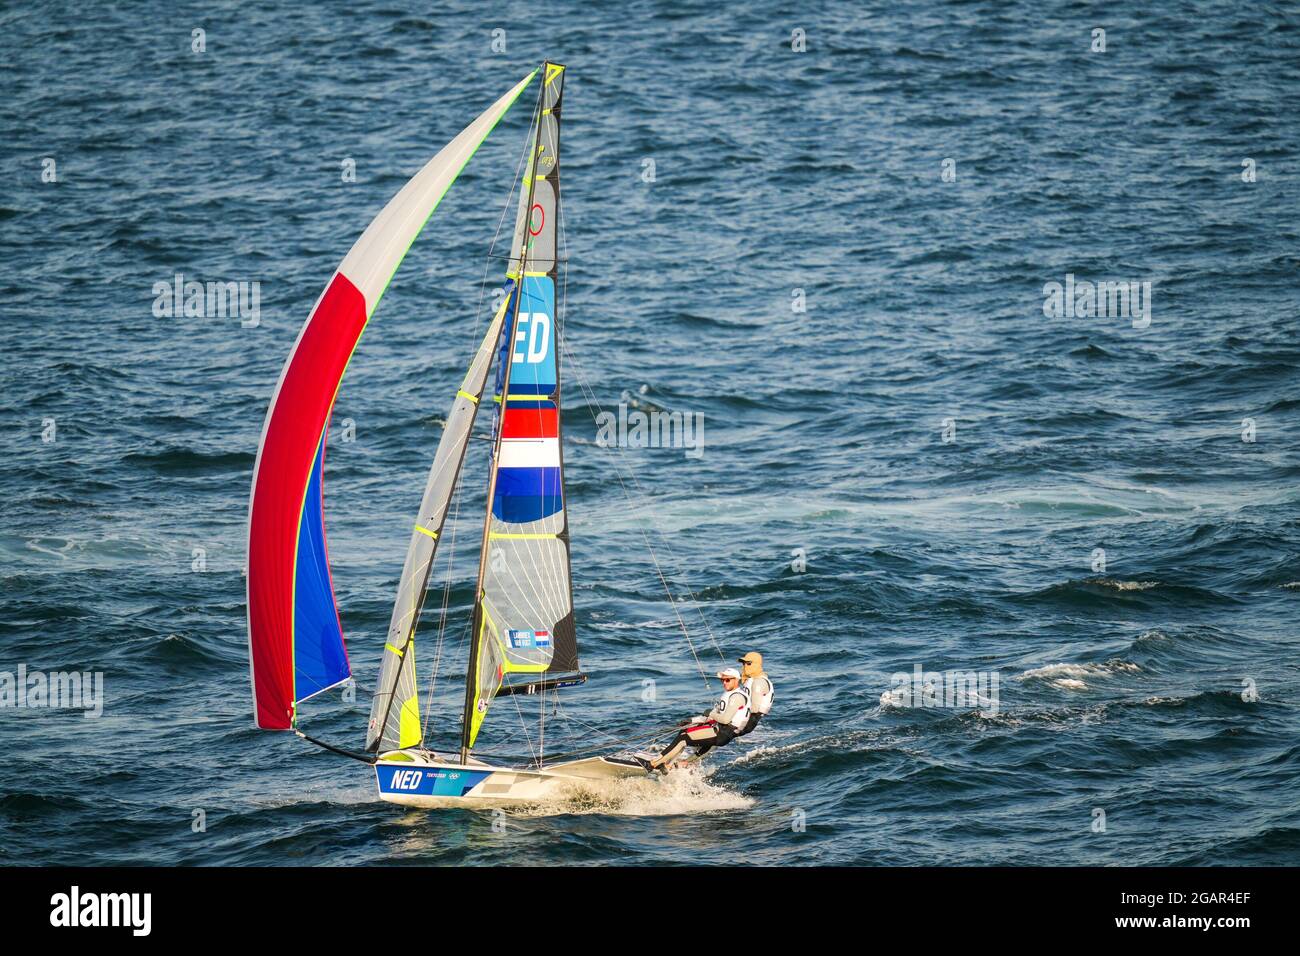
(417, 780)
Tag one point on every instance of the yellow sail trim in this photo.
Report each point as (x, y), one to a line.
(479, 713)
(552, 71)
(423, 530)
(408, 734)
(510, 668)
(408, 720)
(522, 398)
(461, 393)
(395, 650)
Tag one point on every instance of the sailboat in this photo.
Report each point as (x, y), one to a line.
(522, 636)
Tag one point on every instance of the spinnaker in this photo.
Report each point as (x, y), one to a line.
(295, 637)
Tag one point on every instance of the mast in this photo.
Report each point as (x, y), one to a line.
(510, 330)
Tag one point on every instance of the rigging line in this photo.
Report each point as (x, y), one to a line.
(541, 728)
(592, 728)
(630, 743)
(640, 740)
(497, 255)
(591, 399)
(413, 618)
(505, 210)
(618, 737)
(524, 724)
(679, 568)
(585, 384)
(508, 738)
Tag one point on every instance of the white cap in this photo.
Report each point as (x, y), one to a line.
(729, 672)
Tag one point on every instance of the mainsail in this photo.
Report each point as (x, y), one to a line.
(523, 615)
(295, 638)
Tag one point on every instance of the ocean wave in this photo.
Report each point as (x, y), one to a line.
(1122, 585)
(179, 460)
(1076, 676)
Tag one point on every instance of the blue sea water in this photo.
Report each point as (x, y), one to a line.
(886, 402)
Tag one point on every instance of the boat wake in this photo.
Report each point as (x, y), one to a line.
(684, 791)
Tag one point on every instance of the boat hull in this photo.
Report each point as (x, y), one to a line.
(417, 782)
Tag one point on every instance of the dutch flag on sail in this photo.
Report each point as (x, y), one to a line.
(527, 640)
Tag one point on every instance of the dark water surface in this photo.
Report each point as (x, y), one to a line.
(1121, 691)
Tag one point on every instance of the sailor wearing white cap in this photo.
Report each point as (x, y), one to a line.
(727, 718)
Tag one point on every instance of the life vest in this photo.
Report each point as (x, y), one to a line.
(761, 692)
(739, 698)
